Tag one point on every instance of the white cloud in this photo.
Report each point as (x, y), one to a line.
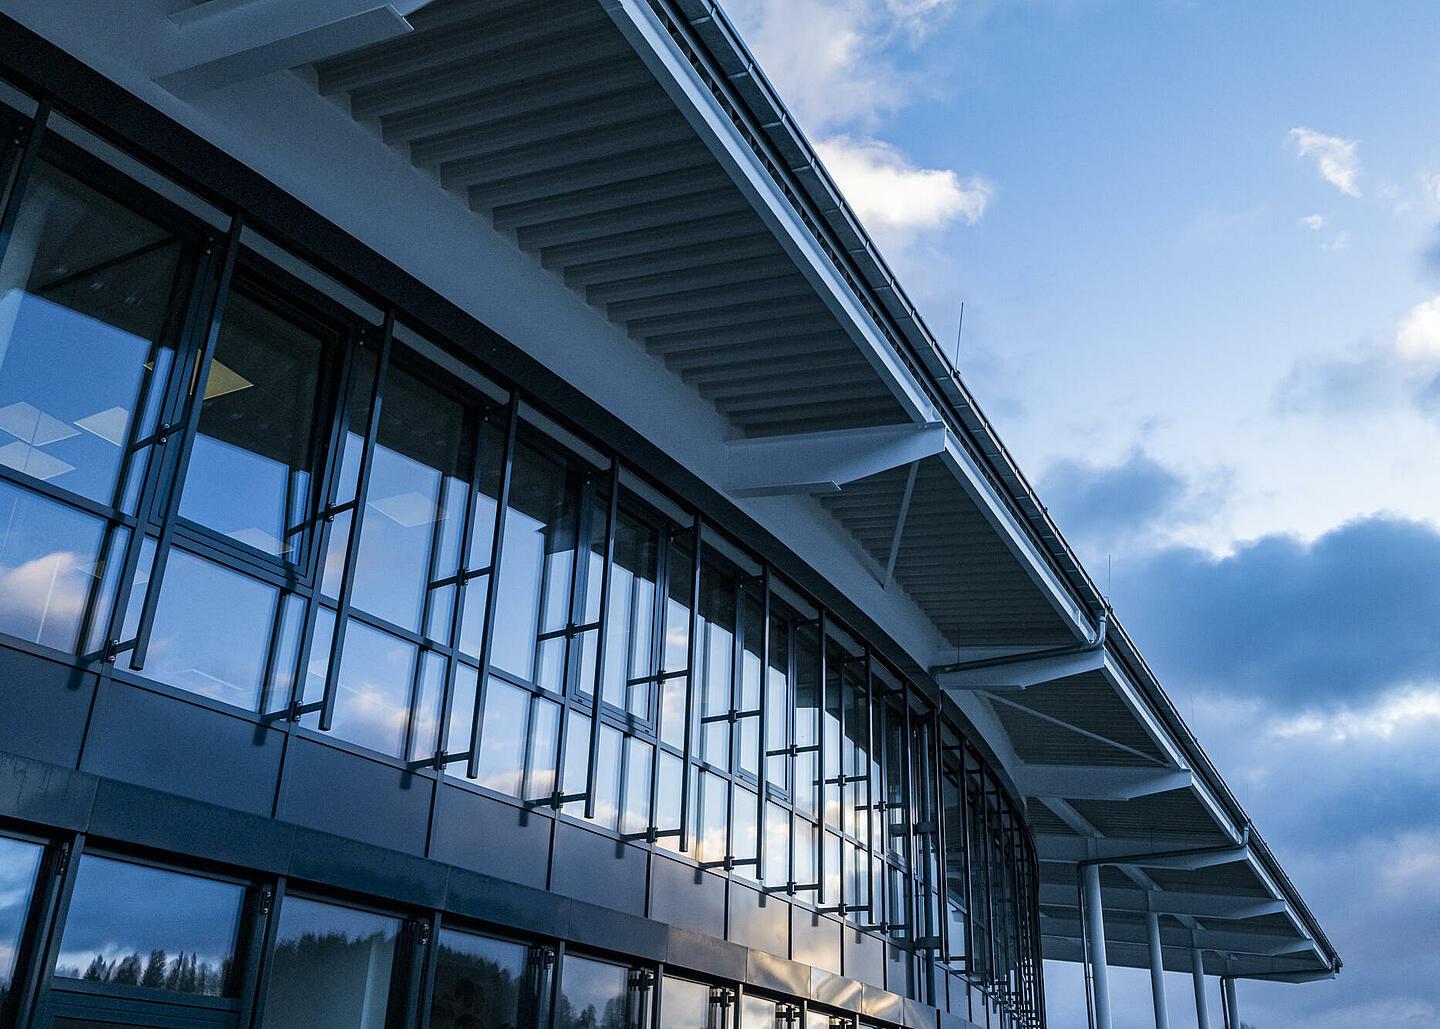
(1314, 222)
(1335, 157)
(1432, 187)
(1418, 336)
(895, 198)
(1340, 242)
(1416, 709)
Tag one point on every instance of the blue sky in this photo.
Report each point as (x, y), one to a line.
(1199, 249)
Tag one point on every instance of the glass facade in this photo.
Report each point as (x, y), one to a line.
(233, 489)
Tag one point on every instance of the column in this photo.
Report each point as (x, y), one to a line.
(1157, 972)
(1197, 970)
(1095, 942)
(1232, 1006)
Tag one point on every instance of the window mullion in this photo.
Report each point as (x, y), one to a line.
(612, 517)
(457, 605)
(502, 504)
(692, 645)
(326, 704)
(761, 779)
(216, 295)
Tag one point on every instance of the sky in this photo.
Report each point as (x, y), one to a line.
(1198, 248)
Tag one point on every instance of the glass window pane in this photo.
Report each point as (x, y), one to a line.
(254, 454)
(357, 417)
(636, 815)
(85, 293)
(592, 995)
(332, 967)
(757, 1013)
(607, 776)
(480, 983)
(140, 926)
(717, 660)
(536, 560)
(630, 632)
(415, 504)
(684, 1005)
(50, 568)
(372, 695)
(212, 629)
(19, 865)
(502, 741)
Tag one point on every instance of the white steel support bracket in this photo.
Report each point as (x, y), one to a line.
(1022, 674)
(1098, 782)
(823, 462)
(227, 41)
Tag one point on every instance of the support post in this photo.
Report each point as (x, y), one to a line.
(1095, 936)
(1232, 1005)
(1197, 971)
(1157, 971)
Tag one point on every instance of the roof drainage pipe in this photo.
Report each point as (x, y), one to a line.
(1092, 916)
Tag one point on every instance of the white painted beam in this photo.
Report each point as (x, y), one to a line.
(1166, 902)
(1022, 673)
(1097, 782)
(823, 462)
(229, 41)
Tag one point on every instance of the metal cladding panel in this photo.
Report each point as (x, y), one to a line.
(598, 869)
(149, 739)
(478, 833)
(686, 896)
(46, 705)
(336, 791)
(759, 921)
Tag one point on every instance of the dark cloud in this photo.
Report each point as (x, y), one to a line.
(1105, 503)
(1343, 618)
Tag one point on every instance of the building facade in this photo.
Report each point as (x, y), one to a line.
(389, 640)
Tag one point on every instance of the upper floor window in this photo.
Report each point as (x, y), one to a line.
(87, 312)
(256, 451)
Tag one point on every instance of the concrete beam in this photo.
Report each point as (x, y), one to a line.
(823, 462)
(229, 41)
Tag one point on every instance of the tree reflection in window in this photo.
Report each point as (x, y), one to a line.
(592, 995)
(481, 983)
(134, 925)
(332, 966)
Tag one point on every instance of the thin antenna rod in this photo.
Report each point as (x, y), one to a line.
(958, 333)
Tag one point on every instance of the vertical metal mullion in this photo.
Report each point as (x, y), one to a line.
(569, 665)
(966, 892)
(988, 837)
(39, 946)
(502, 504)
(219, 290)
(457, 603)
(654, 668)
(870, 765)
(762, 779)
(733, 760)
(691, 673)
(791, 715)
(352, 545)
(908, 792)
(820, 772)
(612, 518)
(942, 886)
